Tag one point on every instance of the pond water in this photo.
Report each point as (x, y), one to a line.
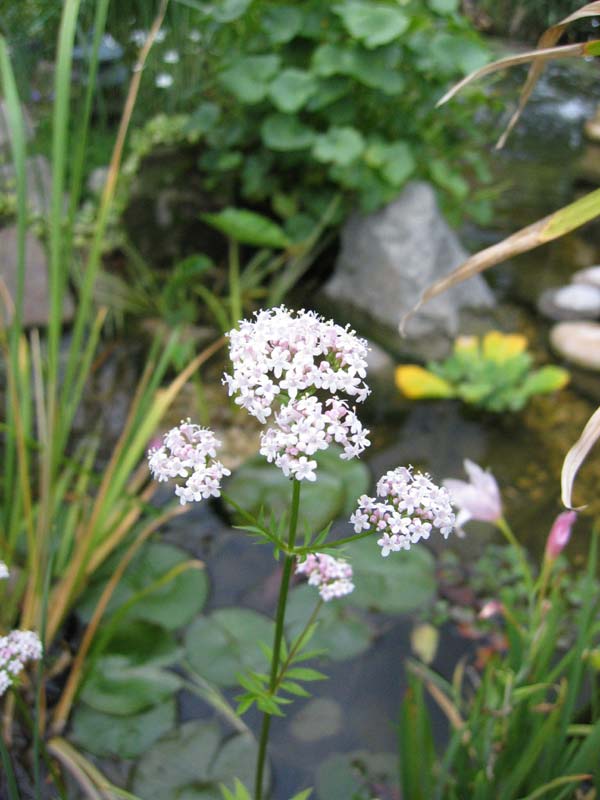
(357, 708)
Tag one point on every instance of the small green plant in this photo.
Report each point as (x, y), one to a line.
(494, 374)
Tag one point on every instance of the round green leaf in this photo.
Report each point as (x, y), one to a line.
(203, 118)
(248, 77)
(338, 146)
(116, 687)
(142, 643)
(281, 23)
(247, 227)
(395, 161)
(126, 737)
(227, 10)
(286, 132)
(170, 605)
(192, 761)
(341, 632)
(372, 23)
(400, 583)
(444, 6)
(227, 642)
(291, 89)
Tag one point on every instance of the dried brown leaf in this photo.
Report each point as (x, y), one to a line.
(577, 454)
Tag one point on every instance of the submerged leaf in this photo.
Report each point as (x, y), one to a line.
(416, 382)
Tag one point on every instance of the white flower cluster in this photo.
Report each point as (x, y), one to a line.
(332, 576)
(406, 509)
(189, 452)
(297, 368)
(16, 650)
(3, 571)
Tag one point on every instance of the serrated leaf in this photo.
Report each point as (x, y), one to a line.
(248, 227)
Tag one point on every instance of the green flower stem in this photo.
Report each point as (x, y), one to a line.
(279, 620)
(296, 647)
(506, 531)
(302, 551)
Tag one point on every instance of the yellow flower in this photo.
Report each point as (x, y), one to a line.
(416, 382)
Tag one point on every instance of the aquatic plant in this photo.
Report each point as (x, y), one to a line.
(494, 374)
(296, 373)
(520, 723)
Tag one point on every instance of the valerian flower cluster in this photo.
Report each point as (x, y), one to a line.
(407, 507)
(332, 576)
(16, 649)
(189, 452)
(301, 371)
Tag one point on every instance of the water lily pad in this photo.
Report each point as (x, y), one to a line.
(227, 642)
(403, 582)
(126, 737)
(341, 632)
(346, 775)
(320, 718)
(192, 761)
(258, 485)
(170, 605)
(117, 687)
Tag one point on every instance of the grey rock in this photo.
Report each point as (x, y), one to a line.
(36, 299)
(578, 301)
(578, 342)
(389, 257)
(39, 183)
(589, 276)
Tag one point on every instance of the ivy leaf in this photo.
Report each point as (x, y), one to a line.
(281, 23)
(248, 227)
(248, 78)
(374, 24)
(291, 89)
(339, 146)
(286, 132)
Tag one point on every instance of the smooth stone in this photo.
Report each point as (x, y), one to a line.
(578, 342)
(389, 257)
(591, 128)
(37, 293)
(589, 276)
(578, 301)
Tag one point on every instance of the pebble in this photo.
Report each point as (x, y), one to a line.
(578, 342)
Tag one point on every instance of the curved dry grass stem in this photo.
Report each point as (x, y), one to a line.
(577, 455)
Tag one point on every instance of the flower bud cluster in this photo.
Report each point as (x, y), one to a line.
(296, 369)
(332, 576)
(189, 452)
(3, 571)
(16, 650)
(407, 507)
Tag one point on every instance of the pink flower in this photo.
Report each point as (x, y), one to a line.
(478, 499)
(560, 534)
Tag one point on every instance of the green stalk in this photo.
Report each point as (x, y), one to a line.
(235, 293)
(13, 792)
(506, 531)
(279, 620)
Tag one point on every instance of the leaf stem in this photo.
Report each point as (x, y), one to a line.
(279, 620)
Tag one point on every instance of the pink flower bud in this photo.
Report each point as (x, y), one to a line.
(560, 534)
